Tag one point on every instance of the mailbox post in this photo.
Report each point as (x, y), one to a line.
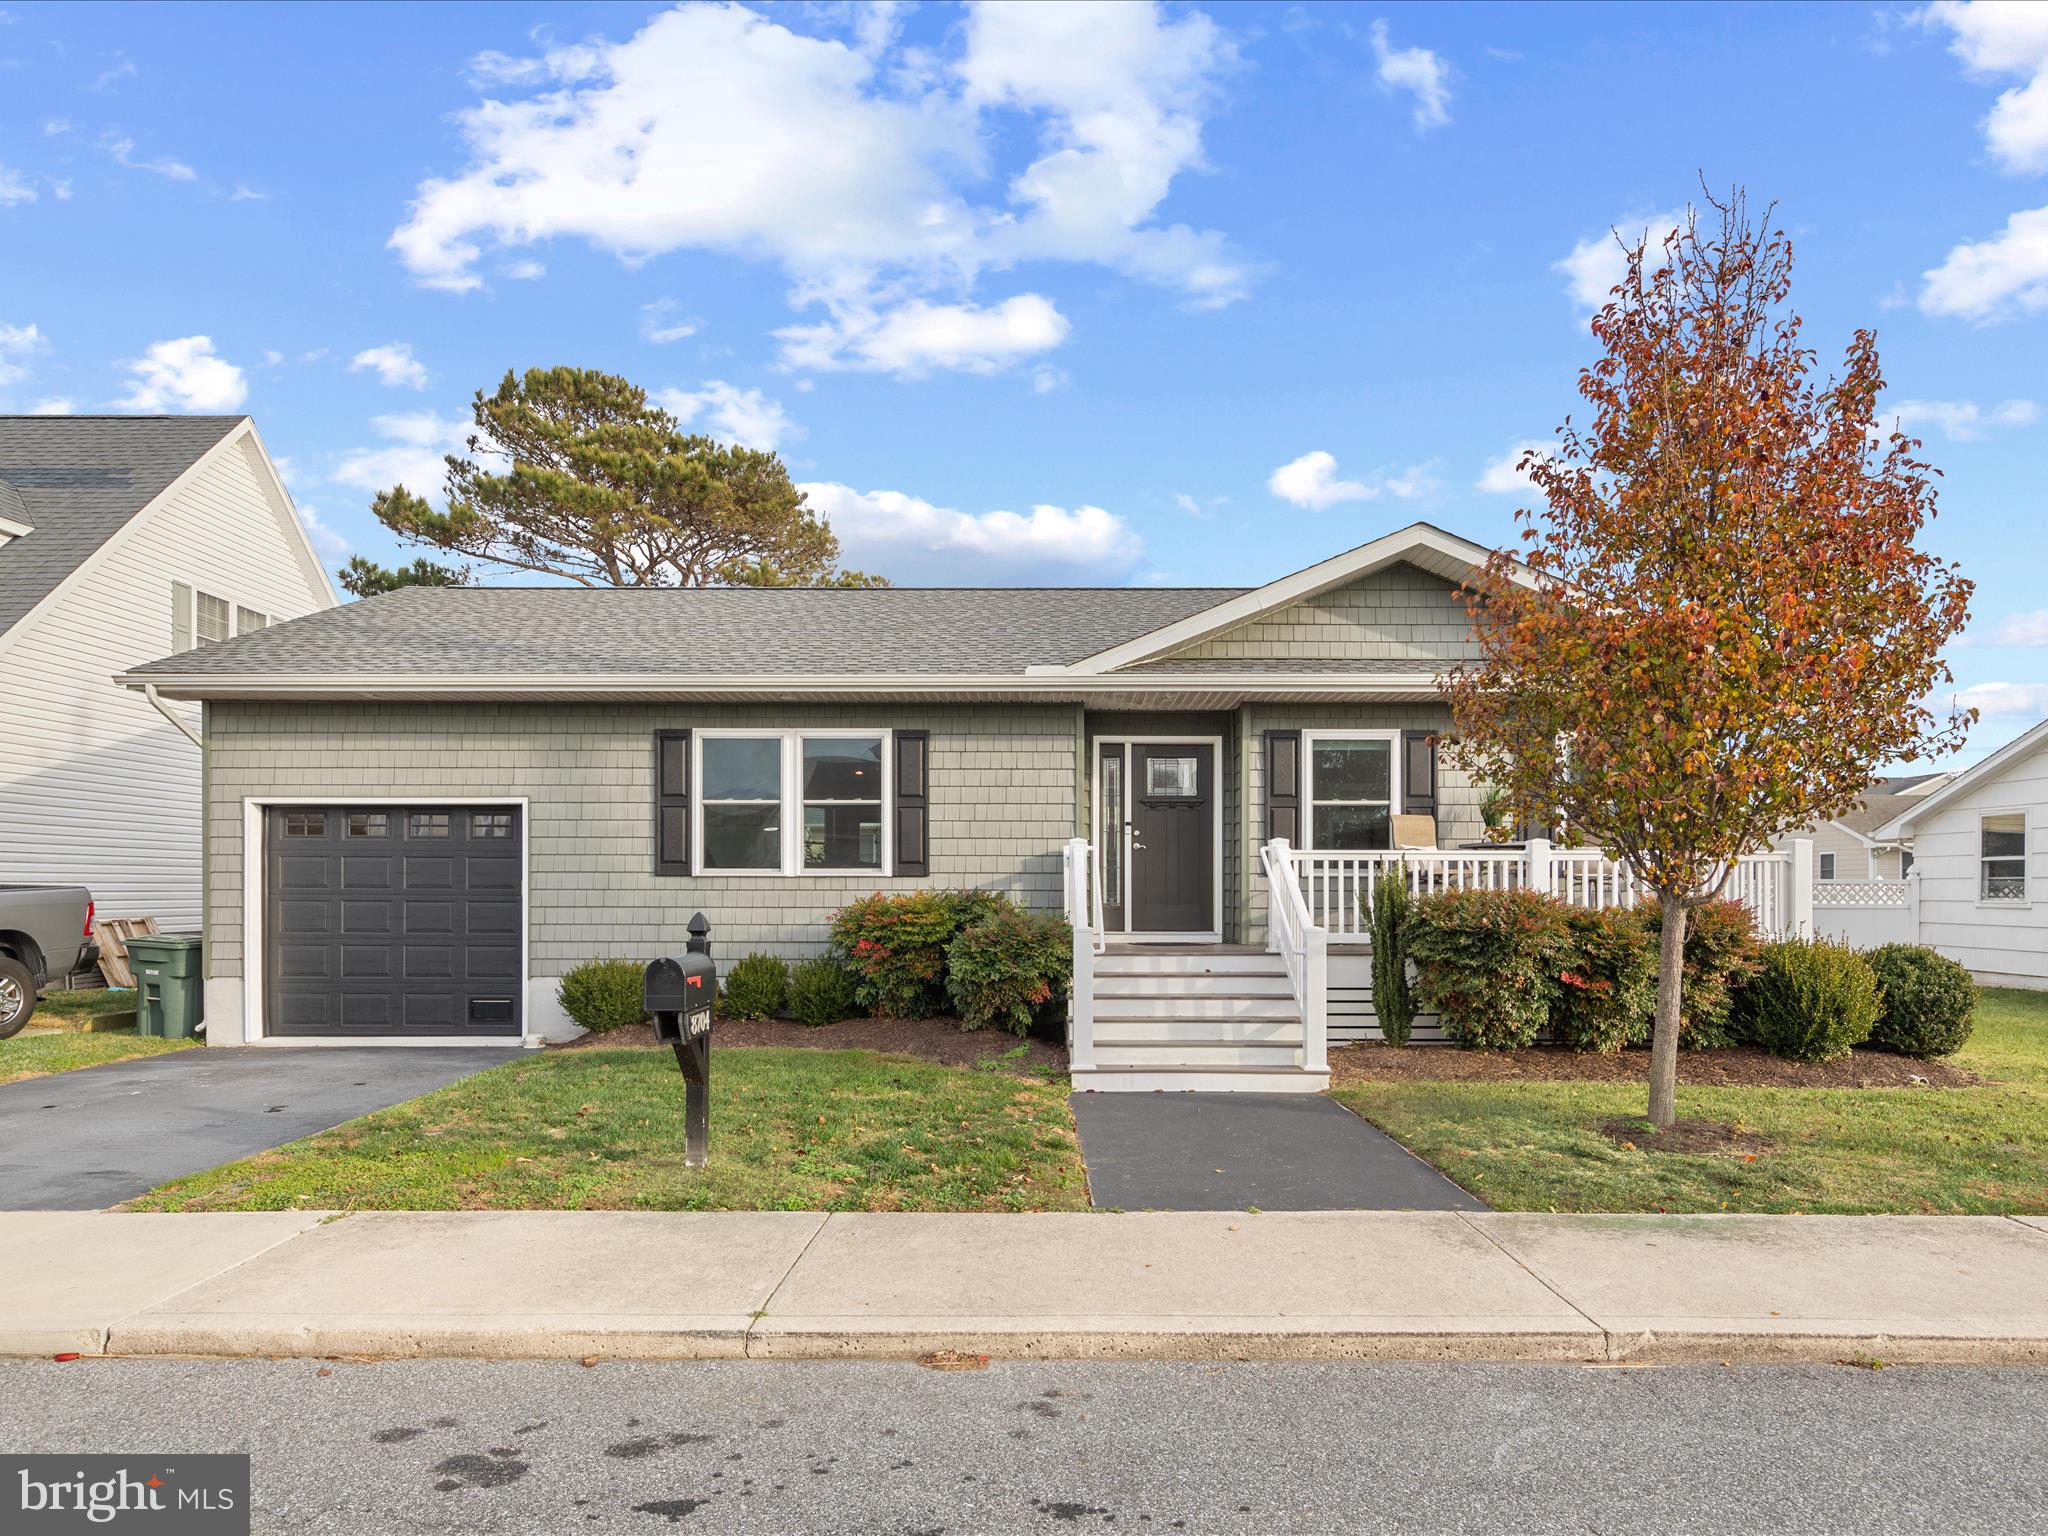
(679, 992)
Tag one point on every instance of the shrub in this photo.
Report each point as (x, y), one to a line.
(1607, 993)
(1720, 957)
(1488, 961)
(1009, 967)
(1810, 1000)
(756, 988)
(895, 946)
(821, 992)
(1928, 1001)
(1393, 996)
(603, 994)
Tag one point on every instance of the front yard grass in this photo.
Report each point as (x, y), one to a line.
(33, 1054)
(602, 1129)
(1537, 1146)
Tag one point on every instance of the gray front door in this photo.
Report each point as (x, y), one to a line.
(392, 920)
(1158, 836)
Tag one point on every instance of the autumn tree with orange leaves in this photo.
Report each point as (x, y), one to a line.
(1718, 626)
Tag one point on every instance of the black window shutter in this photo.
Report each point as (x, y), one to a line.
(1418, 773)
(1283, 786)
(671, 802)
(913, 803)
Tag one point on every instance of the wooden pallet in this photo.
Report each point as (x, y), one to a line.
(113, 935)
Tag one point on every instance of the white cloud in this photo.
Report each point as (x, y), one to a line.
(1960, 420)
(2023, 629)
(184, 375)
(917, 337)
(1997, 41)
(242, 192)
(860, 169)
(2028, 699)
(1311, 481)
(743, 416)
(56, 405)
(412, 454)
(1504, 477)
(1188, 504)
(56, 126)
(327, 544)
(16, 343)
(1419, 72)
(525, 271)
(1996, 278)
(1596, 265)
(909, 539)
(15, 187)
(122, 149)
(661, 321)
(393, 363)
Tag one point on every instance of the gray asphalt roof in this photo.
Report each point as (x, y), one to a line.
(715, 631)
(80, 479)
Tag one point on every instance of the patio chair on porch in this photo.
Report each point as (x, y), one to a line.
(1414, 832)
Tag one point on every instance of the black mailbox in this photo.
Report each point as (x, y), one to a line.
(679, 991)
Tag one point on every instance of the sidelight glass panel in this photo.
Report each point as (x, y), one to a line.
(742, 836)
(1113, 829)
(742, 768)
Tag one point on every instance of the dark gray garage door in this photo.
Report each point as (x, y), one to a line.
(392, 920)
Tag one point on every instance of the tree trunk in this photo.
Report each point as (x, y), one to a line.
(1664, 1037)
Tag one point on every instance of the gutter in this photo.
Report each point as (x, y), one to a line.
(149, 693)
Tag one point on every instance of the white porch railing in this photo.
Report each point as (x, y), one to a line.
(1304, 947)
(1337, 888)
(1081, 897)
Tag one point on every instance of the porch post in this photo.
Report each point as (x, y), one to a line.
(1801, 914)
(1315, 1002)
(1542, 869)
(1077, 876)
(1913, 906)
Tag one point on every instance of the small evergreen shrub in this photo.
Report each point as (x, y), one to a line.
(603, 994)
(1010, 967)
(1810, 1000)
(1487, 962)
(1928, 1002)
(821, 991)
(756, 988)
(1393, 995)
(895, 946)
(1607, 993)
(1720, 956)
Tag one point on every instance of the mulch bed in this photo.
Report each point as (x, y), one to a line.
(1702, 1138)
(940, 1040)
(1738, 1066)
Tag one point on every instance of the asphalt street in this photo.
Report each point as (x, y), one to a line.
(794, 1449)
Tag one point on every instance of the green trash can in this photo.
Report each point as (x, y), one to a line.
(169, 1000)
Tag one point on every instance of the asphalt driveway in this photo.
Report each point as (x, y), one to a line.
(81, 1140)
(1245, 1151)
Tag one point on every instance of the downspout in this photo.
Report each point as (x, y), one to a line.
(149, 693)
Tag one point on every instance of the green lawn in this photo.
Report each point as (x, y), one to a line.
(598, 1129)
(37, 1055)
(1536, 1146)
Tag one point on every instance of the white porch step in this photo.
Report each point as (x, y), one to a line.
(1175, 1055)
(1218, 1079)
(1193, 986)
(1285, 1031)
(1195, 1006)
(1126, 962)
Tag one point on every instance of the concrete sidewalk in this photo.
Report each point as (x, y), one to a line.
(1285, 1285)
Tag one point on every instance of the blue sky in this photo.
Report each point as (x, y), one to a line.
(1193, 295)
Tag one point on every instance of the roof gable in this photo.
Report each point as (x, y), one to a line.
(2012, 753)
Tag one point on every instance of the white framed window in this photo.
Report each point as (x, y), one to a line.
(1905, 863)
(212, 623)
(248, 620)
(1351, 789)
(792, 802)
(1827, 866)
(2002, 856)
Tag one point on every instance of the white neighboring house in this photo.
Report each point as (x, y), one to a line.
(124, 539)
(1849, 847)
(1981, 864)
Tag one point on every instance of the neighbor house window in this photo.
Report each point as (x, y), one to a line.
(1350, 791)
(1827, 866)
(248, 621)
(792, 802)
(2003, 856)
(1905, 863)
(213, 619)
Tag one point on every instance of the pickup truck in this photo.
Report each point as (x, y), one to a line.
(45, 931)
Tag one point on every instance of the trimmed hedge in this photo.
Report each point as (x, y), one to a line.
(1488, 962)
(604, 994)
(1810, 1000)
(1010, 968)
(1607, 994)
(821, 991)
(895, 947)
(1720, 957)
(756, 988)
(1929, 1002)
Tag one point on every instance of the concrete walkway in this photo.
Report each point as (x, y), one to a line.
(76, 1141)
(1330, 1285)
(1249, 1151)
